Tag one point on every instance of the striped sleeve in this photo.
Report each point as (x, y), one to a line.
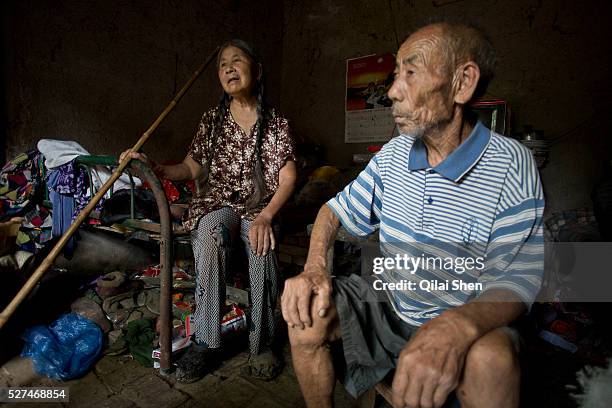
(359, 205)
(515, 253)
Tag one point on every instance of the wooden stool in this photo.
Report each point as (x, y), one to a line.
(372, 397)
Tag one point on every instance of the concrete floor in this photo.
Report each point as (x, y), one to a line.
(119, 382)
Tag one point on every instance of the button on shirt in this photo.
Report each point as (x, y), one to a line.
(484, 200)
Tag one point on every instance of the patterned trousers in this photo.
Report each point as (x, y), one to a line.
(212, 244)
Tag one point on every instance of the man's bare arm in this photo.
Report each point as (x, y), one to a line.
(494, 308)
(322, 237)
(314, 282)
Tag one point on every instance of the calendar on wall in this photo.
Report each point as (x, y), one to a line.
(368, 108)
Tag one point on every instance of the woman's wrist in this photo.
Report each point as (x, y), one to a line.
(159, 170)
(266, 215)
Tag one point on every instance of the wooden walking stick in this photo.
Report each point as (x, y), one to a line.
(48, 261)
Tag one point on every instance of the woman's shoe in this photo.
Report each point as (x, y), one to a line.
(196, 363)
(265, 366)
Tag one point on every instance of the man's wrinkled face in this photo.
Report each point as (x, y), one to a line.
(421, 91)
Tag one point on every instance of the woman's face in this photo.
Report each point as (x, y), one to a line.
(237, 73)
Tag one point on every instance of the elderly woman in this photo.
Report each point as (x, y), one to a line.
(244, 149)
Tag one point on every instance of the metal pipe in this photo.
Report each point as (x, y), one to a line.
(165, 262)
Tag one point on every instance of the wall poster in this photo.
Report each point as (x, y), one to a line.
(368, 109)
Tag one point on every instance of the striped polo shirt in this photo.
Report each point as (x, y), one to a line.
(484, 202)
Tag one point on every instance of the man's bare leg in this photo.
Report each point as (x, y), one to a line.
(492, 375)
(312, 359)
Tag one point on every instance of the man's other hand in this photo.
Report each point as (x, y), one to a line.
(430, 365)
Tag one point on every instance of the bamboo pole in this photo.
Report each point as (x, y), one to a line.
(57, 249)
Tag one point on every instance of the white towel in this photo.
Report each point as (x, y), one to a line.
(60, 152)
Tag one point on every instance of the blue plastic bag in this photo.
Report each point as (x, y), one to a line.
(64, 350)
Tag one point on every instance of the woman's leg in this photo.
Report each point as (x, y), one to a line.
(212, 243)
(263, 277)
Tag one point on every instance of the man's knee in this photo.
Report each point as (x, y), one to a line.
(323, 331)
(308, 338)
(493, 354)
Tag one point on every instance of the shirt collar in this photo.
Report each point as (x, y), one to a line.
(460, 161)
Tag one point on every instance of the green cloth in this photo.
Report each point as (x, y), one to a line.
(19, 159)
(12, 195)
(139, 337)
(22, 238)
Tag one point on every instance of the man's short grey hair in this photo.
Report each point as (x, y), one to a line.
(464, 42)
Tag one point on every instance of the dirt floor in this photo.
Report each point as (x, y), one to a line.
(120, 382)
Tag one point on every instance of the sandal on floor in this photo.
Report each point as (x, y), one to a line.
(265, 366)
(117, 348)
(196, 363)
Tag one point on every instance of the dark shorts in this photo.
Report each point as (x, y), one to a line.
(372, 334)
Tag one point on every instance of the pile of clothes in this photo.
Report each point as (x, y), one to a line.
(21, 191)
(48, 189)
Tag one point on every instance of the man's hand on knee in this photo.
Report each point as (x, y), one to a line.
(430, 365)
(298, 294)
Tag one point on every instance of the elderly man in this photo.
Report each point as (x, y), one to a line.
(446, 185)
